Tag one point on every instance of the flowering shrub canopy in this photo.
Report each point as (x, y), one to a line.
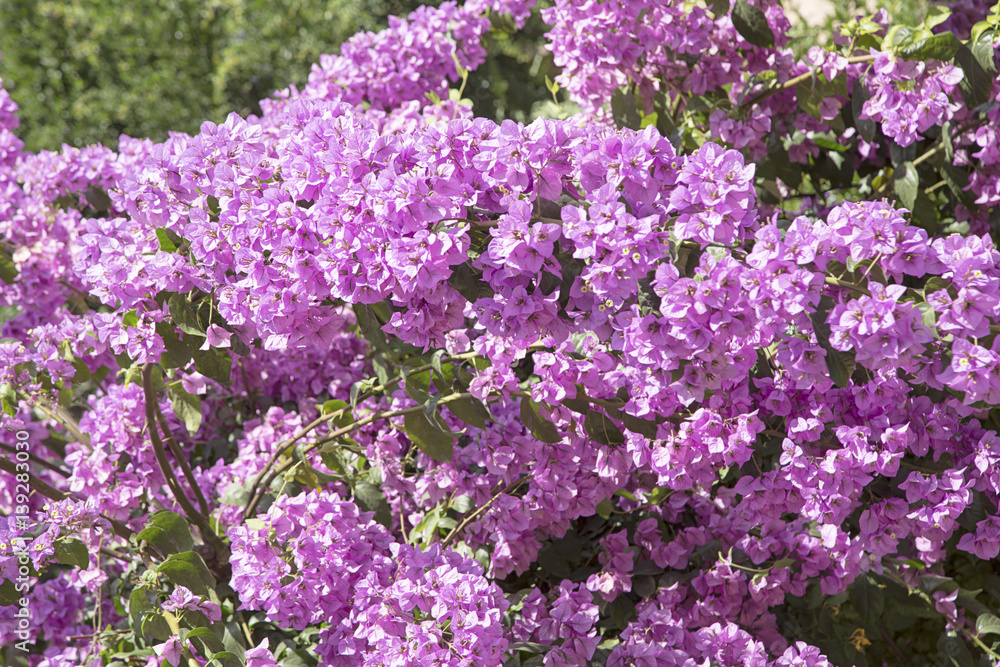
(705, 374)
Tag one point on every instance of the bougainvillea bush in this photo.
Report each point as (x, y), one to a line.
(703, 373)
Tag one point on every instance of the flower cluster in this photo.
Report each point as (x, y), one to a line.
(385, 603)
(425, 388)
(909, 97)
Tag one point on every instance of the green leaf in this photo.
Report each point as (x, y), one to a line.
(462, 504)
(9, 399)
(828, 144)
(605, 508)
(719, 7)
(71, 551)
(186, 406)
(82, 373)
(166, 243)
(469, 283)
(8, 593)
(979, 29)
(624, 109)
(752, 24)
(168, 532)
(133, 374)
(867, 598)
(646, 427)
(601, 429)
(810, 95)
(895, 36)
(130, 319)
(371, 499)
(359, 388)
(936, 284)
(621, 612)
(98, 198)
(305, 473)
(529, 647)
(418, 386)
(214, 363)
(906, 184)
(225, 659)
(957, 179)
(8, 313)
(925, 214)
(987, 624)
(147, 620)
(234, 640)
(953, 651)
(235, 495)
(8, 270)
(255, 524)
(856, 27)
(929, 318)
(436, 361)
(976, 62)
(539, 426)
(384, 370)
(178, 351)
(983, 52)
(571, 268)
(332, 406)
(370, 325)
(188, 569)
(935, 16)
(580, 404)
(183, 316)
(207, 638)
(430, 437)
(919, 46)
(470, 410)
(841, 366)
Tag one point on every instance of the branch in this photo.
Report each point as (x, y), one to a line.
(472, 517)
(192, 514)
(52, 493)
(40, 461)
(337, 414)
(340, 432)
(837, 282)
(36, 483)
(182, 460)
(58, 414)
(794, 81)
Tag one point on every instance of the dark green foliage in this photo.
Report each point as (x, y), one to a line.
(88, 71)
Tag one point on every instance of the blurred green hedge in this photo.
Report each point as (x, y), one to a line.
(87, 71)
